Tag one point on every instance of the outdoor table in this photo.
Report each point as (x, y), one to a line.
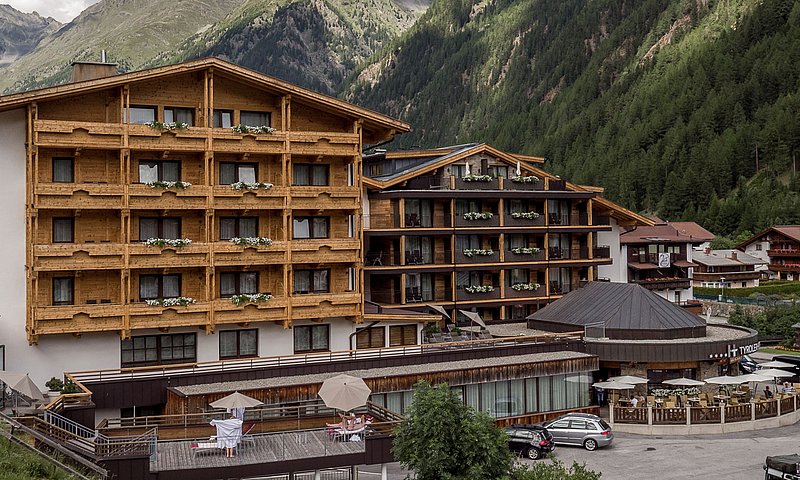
(694, 401)
(625, 402)
(722, 398)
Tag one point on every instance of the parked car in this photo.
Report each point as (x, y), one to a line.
(581, 429)
(782, 467)
(747, 364)
(533, 441)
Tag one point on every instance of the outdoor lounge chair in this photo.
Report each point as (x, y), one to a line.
(201, 447)
(246, 436)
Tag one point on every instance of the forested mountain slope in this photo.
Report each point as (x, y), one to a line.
(669, 104)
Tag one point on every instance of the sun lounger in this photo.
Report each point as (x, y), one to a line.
(201, 447)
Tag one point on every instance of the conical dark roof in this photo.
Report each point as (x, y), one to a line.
(628, 311)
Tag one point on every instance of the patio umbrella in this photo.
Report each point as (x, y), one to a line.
(474, 317)
(755, 377)
(684, 382)
(439, 309)
(774, 364)
(236, 400)
(630, 379)
(726, 380)
(22, 384)
(774, 373)
(613, 385)
(344, 392)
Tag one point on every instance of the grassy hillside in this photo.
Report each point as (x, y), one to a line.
(663, 102)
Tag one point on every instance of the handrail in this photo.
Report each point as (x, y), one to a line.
(306, 358)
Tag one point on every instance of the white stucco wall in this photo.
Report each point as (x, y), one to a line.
(618, 270)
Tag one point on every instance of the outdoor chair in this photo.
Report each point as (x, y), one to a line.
(703, 403)
(734, 401)
(651, 400)
(201, 447)
(669, 404)
(246, 435)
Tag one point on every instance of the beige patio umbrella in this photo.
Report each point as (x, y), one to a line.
(22, 384)
(236, 400)
(775, 364)
(774, 373)
(684, 382)
(633, 380)
(344, 392)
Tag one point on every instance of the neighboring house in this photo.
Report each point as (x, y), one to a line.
(659, 258)
(728, 268)
(460, 228)
(779, 247)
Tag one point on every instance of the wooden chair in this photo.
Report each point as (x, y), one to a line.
(615, 398)
(669, 404)
(734, 401)
(651, 400)
(703, 403)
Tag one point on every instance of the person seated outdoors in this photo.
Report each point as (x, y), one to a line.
(767, 393)
(634, 401)
(788, 388)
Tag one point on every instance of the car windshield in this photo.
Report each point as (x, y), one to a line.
(546, 434)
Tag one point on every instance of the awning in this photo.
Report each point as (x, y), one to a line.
(684, 263)
(642, 266)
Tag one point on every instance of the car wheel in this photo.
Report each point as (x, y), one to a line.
(533, 453)
(590, 444)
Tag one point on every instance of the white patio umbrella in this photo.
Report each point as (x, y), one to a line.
(684, 382)
(613, 385)
(629, 379)
(344, 392)
(236, 400)
(726, 380)
(774, 364)
(774, 373)
(755, 377)
(22, 384)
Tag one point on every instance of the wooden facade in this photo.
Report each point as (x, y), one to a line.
(86, 201)
(419, 223)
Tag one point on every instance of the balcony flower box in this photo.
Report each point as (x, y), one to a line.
(167, 185)
(239, 186)
(167, 242)
(479, 289)
(245, 298)
(168, 126)
(251, 241)
(525, 286)
(258, 130)
(471, 252)
(171, 302)
(525, 250)
(525, 179)
(477, 178)
(525, 215)
(478, 215)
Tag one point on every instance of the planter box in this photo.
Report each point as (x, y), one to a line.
(493, 184)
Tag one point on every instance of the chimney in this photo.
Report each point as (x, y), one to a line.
(733, 255)
(707, 250)
(82, 71)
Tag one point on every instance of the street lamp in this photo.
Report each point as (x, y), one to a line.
(722, 284)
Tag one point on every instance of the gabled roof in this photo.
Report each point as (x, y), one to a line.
(433, 159)
(724, 258)
(791, 231)
(622, 308)
(18, 100)
(693, 230)
(665, 233)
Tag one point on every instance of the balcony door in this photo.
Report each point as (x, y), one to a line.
(419, 287)
(419, 213)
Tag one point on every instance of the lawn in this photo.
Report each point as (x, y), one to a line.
(17, 463)
(776, 351)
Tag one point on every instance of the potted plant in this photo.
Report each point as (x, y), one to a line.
(70, 387)
(54, 387)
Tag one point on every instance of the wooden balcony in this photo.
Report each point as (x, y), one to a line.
(729, 276)
(461, 184)
(478, 223)
(227, 141)
(226, 197)
(78, 195)
(539, 292)
(602, 251)
(325, 305)
(461, 258)
(229, 254)
(785, 267)
(510, 221)
(193, 255)
(539, 256)
(464, 296)
(512, 185)
(144, 197)
(66, 134)
(78, 318)
(142, 137)
(145, 316)
(664, 283)
(783, 252)
(79, 256)
(325, 143)
(226, 312)
(325, 198)
(327, 250)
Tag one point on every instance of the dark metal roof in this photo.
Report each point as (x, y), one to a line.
(623, 309)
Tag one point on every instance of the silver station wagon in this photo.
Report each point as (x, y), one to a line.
(581, 429)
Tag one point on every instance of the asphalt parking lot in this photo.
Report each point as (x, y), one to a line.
(735, 456)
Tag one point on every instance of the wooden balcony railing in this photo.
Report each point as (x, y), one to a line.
(784, 252)
(602, 251)
(664, 283)
(462, 295)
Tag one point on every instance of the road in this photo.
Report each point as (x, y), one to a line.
(735, 456)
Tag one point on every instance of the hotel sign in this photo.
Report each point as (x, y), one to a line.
(743, 350)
